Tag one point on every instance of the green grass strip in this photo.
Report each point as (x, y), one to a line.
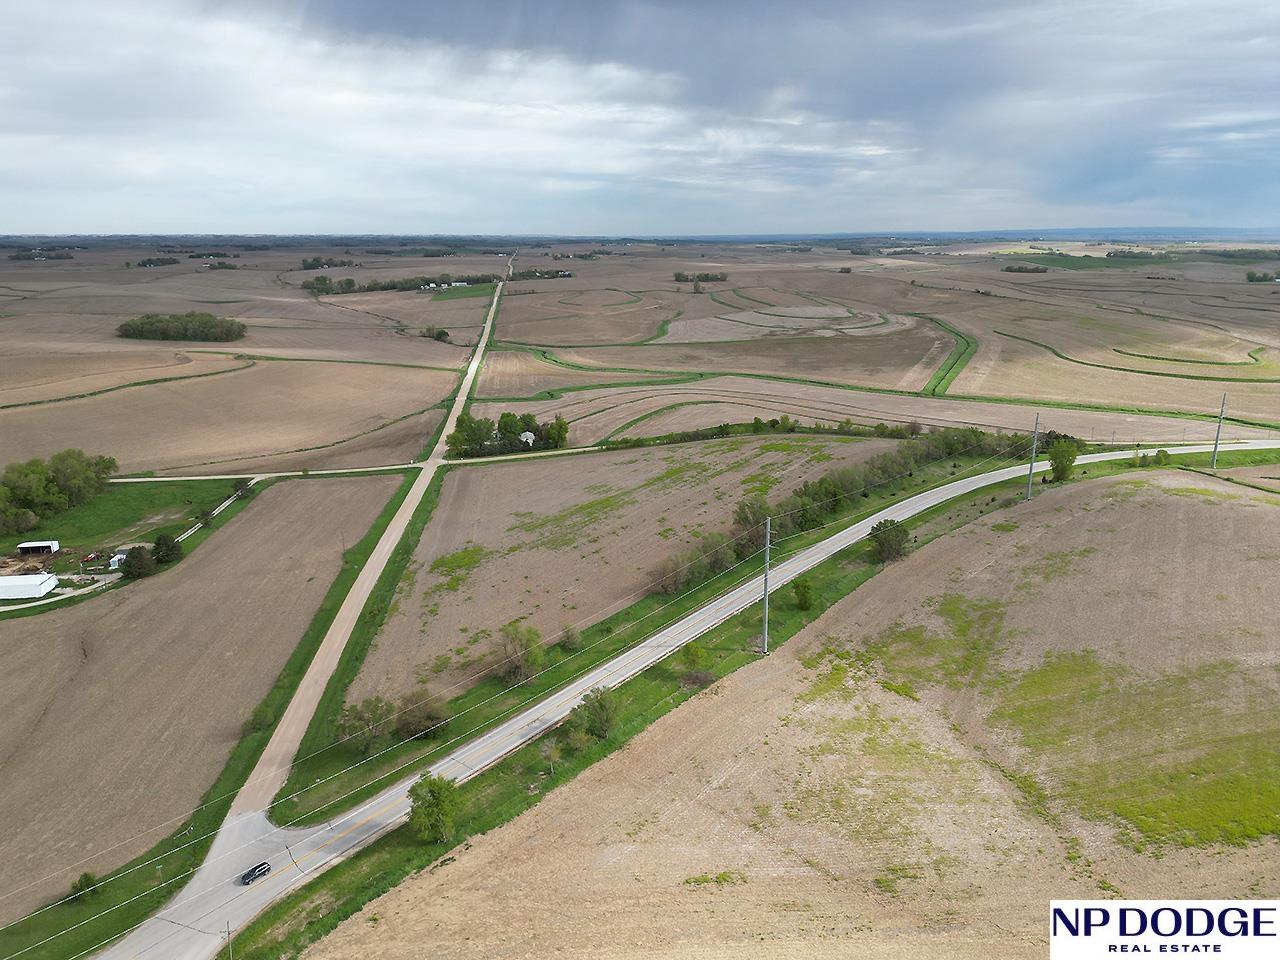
(1255, 356)
(181, 852)
(966, 346)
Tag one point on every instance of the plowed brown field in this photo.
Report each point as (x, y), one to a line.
(119, 712)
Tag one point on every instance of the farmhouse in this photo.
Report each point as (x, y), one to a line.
(33, 547)
(27, 586)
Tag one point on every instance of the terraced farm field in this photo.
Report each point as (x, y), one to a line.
(276, 412)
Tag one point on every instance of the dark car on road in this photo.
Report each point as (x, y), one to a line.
(256, 872)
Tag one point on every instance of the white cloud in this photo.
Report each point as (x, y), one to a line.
(177, 116)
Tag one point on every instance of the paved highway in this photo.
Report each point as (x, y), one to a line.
(195, 924)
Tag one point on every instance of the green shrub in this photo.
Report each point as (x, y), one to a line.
(889, 538)
(167, 549)
(138, 563)
(433, 808)
(803, 591)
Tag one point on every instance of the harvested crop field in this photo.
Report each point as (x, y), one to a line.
(1070, 698)
(119, 712)
(518, 373)
(564, 316)
(641, 411)
(901, 359)
(1005, 367)
(566, 541)
(31, 378)
(267, 410)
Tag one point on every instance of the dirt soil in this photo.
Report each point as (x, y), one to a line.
(510, 373)
(900, 359)
(269, 408)
(120, 711)
(565, 541)
(801, 808)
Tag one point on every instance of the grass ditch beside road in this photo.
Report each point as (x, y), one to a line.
(175, 857)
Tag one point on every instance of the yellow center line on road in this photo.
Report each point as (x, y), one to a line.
(338, 836)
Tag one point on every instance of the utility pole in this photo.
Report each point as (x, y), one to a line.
(230, 955)
(764, 619)
(1035, 440)
(1218, 436)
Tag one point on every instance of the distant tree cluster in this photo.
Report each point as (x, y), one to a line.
(480, 436)
(40, 255)
(435, 333)
(1257, 276)
(1129, 254)
(326, 263)
(430, 252)
(682, 277)
(223, 265)
(846, 269)
(182, 326)
(1023, 268)
(156, 262)
(865, 251)
(815, 502)
(39, 489)
(540, 274)
(324, 286)
(1240, 253)
(211, 255)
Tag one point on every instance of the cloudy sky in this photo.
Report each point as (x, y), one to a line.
(598, 117)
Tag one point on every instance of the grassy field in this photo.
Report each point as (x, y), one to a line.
(128, 511)
(460, 293)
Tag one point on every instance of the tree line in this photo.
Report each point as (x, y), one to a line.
(1257, 276)
(815, 502)
(37, 490)
(323, 286)
(325, 263)
(39, 255)
(1023, 268)
(481, 437)
(682, 277)
(153, 262)
(541, 274)
(182, 326)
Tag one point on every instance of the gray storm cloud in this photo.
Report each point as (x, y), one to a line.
(573, 117)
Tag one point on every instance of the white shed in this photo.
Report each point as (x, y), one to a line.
(39, 546)
(27, 586)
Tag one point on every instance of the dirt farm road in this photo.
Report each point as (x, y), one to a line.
(195, 925)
